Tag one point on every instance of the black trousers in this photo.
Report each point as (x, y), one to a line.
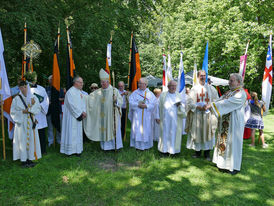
(42, 138)
(206, 153)
(123, 121)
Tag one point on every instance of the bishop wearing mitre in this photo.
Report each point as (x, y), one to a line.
(103, 122)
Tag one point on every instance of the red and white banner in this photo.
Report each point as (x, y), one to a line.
(165, 81)
(5, 89)
(267, 78)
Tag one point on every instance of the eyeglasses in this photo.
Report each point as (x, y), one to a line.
(93, 87)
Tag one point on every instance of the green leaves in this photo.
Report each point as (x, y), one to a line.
(179, 25)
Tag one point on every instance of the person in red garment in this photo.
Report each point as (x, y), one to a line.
(247, 131)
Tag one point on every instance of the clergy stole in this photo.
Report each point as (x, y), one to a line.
(142, 126)
(180, 116)
(223, 126)
(28, 127)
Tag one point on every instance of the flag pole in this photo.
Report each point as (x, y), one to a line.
(247, 46)
(58, 40)
(129, 62)
(58, 36)
(3, 128)
(114, 116)
(129, 65)
(2, 120)
(68, 39)
(25, 42)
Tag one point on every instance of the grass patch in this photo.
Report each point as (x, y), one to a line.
(131, 177)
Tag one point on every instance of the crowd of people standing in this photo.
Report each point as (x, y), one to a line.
(210, 122)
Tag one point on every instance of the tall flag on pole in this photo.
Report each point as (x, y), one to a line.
(5, 93)
(243, 62)
(108, 59)
(70, 62)
(5, 89)
(267, 78)
(164, 74)
(169, 69)
(205, 62)
(135, 68)
(55, 89)
(194, 78)
(181, 76)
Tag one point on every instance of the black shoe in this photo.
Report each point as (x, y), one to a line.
(31, 163)
(223, 170)
(207, 155)
(208, 159)
(24, 164)
(234, 172)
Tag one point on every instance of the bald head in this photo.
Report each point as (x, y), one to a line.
(121, 86)
(143, 82)
(78, 82)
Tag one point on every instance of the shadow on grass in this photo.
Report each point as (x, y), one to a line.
(132, 177)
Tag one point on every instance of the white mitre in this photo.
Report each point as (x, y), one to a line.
(103, 75)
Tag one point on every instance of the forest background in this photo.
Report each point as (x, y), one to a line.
(175, 25)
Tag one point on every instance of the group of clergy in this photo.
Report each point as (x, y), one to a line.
(102, 117)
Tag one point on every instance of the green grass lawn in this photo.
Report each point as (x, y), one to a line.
(131, 177)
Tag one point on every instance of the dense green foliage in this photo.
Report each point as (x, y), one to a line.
(179, 25)
(131, 177)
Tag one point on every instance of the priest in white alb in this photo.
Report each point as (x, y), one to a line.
(73, 114)
(41, 117)
(103, 122)
(141, 102)
(171, 114)
(201, 124)
(230, 108)
(26, 144)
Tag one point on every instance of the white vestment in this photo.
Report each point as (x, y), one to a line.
(201, 125)
(141, 119)
(230, 108)
(185, 97)
(171, 122)
(99, 124)
(26, 140)
(155, 125)
(72, 129)
(42, 96)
